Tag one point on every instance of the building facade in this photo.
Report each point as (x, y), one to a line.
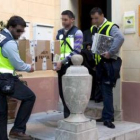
(127, 92)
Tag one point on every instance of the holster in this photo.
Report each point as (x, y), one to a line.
(7, 84)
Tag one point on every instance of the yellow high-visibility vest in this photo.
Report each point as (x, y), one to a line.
(105, 29)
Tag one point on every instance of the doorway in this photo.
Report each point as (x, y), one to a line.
(85, 7)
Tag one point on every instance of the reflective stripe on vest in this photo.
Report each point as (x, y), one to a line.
(108, 29)
(110, 25)
(91, 29)
(5, 65)
(97, 59)
(3, 70)
(65, 49)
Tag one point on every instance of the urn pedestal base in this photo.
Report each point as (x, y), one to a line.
(77, 131)
(77, 118)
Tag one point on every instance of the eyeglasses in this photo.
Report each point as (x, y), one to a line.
(19, 31)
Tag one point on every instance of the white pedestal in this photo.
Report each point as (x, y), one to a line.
(77, 131)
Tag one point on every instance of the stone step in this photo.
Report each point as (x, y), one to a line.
(42, 126)
(94, 110)
(123, 131)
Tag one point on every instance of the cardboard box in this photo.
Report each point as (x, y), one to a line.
(37, 52)
(57, 47)
(24, 51)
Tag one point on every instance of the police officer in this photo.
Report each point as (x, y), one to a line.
(102, 26)
(10, 62)
(71, 42)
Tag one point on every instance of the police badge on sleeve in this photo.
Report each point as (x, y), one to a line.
(2, 37)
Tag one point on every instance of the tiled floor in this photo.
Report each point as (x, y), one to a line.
(42, 126)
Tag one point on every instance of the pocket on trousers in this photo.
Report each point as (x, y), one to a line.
(7, 84)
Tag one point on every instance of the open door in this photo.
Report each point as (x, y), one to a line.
(85, 7)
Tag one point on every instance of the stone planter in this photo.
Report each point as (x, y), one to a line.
(77, 89)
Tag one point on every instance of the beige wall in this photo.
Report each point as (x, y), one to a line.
(130, 51)
(131, 48)
(33, 11)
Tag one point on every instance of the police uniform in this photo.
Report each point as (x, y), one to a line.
(105, 85)
(67, 46)
(20, 92)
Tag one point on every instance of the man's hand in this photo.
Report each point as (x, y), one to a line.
(32, 68)
(58, 66)
(106, 55)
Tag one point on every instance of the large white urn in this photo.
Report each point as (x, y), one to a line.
(77, 84)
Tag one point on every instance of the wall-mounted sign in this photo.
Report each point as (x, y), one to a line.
(129, 22)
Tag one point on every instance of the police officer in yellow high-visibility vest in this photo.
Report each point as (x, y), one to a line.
(71, 39)
(102, 26)
(10, 85)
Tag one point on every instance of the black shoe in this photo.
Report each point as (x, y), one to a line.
(101, 120)
(109, 124)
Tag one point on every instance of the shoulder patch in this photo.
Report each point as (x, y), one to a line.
(61, 37)
(2, 37)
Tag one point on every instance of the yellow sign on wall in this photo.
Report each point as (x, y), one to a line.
(129, 22)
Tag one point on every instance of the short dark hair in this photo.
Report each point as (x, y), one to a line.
(96, 10)
(68, 13)
(16, 20)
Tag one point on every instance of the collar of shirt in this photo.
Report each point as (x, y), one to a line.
(65, 31)
(102, 24)
(7, 31)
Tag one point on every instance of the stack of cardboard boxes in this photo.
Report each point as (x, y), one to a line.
(39, 52)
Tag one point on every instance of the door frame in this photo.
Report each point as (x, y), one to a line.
(79, 13)
(109, 10)
(108, 6)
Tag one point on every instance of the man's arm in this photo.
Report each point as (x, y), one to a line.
(118, 40)
(10, 50)
(78, 41)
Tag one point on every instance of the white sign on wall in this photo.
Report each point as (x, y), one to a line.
(129, 22)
